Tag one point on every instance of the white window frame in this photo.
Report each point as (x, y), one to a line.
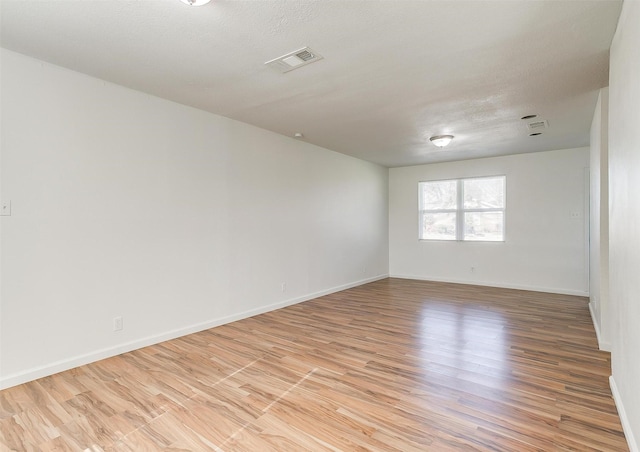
(460, 211)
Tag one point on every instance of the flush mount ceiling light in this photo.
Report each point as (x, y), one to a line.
(441, 140)
(195, 2)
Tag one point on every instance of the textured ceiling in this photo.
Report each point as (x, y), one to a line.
(393, 74)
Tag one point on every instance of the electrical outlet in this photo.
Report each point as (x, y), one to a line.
(117, 323)
(473, 269)
(283, 286)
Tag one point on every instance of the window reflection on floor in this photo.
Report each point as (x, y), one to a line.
(455, 340)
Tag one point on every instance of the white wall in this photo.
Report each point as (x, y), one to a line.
(546, 240)
(599, 221)
(173, 218)
(624, 219)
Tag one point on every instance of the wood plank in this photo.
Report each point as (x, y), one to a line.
(392, 365)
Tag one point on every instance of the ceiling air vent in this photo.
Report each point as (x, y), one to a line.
(537, 126)
(294, 60)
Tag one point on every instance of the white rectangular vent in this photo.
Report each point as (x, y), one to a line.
(294, 60)
(537, 125)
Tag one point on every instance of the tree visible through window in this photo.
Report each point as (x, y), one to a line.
(463, 209)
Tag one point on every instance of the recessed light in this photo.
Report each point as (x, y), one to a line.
(529, 117)
(535, 134)
(298, 135)
(441, 140)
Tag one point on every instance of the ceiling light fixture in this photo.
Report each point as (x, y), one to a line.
(441, 140)
(195, 2)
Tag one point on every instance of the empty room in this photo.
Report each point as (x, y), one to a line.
(319, 225)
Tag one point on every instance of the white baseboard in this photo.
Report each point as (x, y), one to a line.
(624, 420)
(62, 365)
(602, 345)
(578, 293)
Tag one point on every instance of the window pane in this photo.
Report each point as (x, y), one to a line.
(438, 195)
(484, 193)
(485, 226)
(438, 226)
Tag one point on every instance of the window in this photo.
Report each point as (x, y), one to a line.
(462, 209)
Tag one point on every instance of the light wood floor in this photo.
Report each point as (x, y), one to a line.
(392, 365)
